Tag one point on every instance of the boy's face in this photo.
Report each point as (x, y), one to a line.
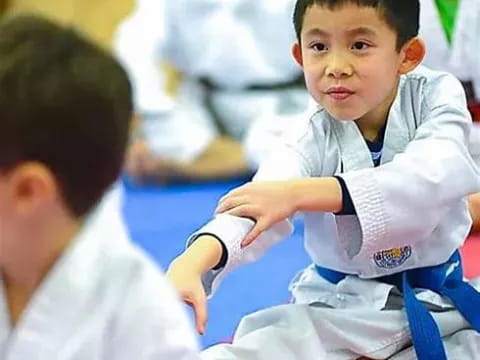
(350, 60)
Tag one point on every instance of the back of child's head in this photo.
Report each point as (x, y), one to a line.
(64, 103)
(403, 16)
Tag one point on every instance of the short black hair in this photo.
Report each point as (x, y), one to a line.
(65, 103)
(403, 16)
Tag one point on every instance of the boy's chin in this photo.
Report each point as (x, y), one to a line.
(343, 115)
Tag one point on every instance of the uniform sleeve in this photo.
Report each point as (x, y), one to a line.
(409, 196)
(284, 163)
(151, 322)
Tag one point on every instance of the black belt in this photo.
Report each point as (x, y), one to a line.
(297, 82)
(211, 88)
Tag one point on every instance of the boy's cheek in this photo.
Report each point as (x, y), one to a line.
(313, 86)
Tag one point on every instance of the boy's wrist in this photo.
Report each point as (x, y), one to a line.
(203, 254)
(316, 194)
(296, 190)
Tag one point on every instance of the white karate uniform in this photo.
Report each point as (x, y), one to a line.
(234, 44)
(104, 299)
(411, 207)
(461, 57)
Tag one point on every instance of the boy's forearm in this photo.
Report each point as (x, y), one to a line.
(204, 254)
(317, 194)
(311, 194)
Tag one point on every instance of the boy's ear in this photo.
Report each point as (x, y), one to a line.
(297, 53)
(32, 187)
(413, 53)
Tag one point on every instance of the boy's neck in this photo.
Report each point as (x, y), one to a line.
(27, 267)
(372, 123)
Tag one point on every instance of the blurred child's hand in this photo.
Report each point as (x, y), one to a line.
(187, 281)
(144, 166)
(136, 155)
(265, 202)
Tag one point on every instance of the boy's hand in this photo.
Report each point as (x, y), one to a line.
(136, 154)
(186, 271)
(188, 283)
(265, 202)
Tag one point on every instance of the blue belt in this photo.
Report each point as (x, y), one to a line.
(446, 280)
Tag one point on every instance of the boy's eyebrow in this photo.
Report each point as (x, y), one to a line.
(362, 31)
(317, 32)
(353, 32)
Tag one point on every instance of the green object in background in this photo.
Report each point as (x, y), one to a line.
(448, 13)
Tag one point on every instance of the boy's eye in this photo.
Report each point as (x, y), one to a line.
(319, 47)
(360, 45)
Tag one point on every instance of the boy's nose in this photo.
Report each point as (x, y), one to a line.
(338, 67)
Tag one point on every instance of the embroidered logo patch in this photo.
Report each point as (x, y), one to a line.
(392, 258)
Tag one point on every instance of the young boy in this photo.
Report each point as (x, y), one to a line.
(381, 172)
(71, 287)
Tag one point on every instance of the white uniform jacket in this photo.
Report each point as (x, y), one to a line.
(102, 300)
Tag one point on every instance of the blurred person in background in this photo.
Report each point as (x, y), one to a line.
(234, 90)
(450, 28)
(71, 284)
(98, 21)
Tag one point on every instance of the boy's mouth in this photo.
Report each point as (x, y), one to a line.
(339, 92)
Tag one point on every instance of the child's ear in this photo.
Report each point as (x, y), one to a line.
(32, 188)
(297, 53)
(413, 53)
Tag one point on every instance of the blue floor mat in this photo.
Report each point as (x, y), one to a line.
(161, 218)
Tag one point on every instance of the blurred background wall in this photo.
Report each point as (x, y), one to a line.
(96, 18)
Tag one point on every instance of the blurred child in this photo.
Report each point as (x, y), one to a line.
(71, 286)
(236, 58)
(381, 172)
(450, 28)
